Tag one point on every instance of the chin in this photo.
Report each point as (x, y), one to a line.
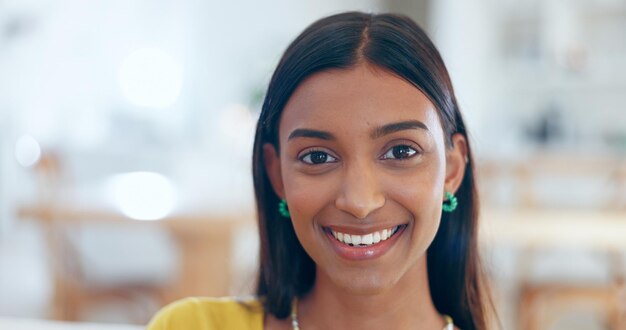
(364, 284)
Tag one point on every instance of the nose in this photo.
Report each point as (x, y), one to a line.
(360, 192)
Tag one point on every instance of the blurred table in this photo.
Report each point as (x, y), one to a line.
(534, 231)
(205, 242)
(587, 229)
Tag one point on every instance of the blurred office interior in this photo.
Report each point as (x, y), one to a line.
(126, 130)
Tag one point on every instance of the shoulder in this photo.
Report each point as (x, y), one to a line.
(210, 313)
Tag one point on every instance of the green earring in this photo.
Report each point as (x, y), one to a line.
(453, 202)
(282, 208)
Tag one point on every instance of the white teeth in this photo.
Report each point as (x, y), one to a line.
(368, 239)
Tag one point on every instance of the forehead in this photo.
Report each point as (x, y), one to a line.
(354, 100)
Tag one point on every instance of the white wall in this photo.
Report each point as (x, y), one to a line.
(60, 79)
(510, 61)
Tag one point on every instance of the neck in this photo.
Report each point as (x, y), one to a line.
(406, 305)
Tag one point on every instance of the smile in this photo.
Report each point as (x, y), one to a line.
(367, 239)
(364, 245)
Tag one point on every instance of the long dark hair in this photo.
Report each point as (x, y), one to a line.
(397, 44)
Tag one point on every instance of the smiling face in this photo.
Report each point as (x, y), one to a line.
(363, 161)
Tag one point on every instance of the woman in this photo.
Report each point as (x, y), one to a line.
(365, 190)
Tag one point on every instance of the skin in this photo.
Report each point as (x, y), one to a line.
(361, 184)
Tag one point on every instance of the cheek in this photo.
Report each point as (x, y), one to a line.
(307, 196)
(420, 194)
(420, 189)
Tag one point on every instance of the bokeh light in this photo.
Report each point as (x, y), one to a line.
(27, 151)
(142, 195)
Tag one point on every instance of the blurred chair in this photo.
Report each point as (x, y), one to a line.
(542, 301)
(98, 261)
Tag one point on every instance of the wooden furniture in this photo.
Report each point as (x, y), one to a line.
(533, 231)
(536, 229)
(204, 242)
(523, 175)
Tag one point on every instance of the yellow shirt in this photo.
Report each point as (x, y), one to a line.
(210, 313)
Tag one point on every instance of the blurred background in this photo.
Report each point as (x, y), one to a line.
(126, 131)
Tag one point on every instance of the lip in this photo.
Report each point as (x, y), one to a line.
(357, 253)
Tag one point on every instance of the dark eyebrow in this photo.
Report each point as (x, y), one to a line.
(376, 133)
(310, 133)
(395, 127)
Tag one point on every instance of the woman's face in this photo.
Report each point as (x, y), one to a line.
(363, 161)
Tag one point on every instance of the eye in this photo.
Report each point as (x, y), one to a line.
(400, 152)
(316, 157)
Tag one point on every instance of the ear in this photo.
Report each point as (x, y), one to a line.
(272, 166)
(456, 161)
